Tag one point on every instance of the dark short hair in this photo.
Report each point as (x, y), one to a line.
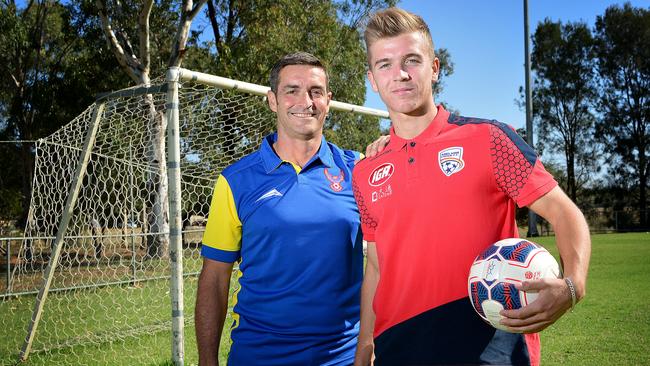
(298, 58)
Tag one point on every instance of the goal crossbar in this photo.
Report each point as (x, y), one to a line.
(225, 83)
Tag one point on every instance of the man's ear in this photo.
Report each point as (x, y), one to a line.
(273, 102)
(435, 67)
(371, 79)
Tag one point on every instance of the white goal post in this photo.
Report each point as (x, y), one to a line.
(111, 246)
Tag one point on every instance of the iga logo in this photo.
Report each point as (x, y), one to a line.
(381, 174)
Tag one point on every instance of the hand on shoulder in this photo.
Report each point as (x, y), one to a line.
(377, 146)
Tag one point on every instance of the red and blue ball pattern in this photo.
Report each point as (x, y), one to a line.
(518, 252)
(496, 271)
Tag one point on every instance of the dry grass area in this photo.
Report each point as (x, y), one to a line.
(123, 257)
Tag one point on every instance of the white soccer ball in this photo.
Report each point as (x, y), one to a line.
(494, 273)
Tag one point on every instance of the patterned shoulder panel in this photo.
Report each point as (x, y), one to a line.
(515, 139)
(512, 159)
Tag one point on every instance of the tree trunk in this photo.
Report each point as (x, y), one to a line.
(571, 176)
(27, 176)
(27, 160)
(643, 183)
(157, 185)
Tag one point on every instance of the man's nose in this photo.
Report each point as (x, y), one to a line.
(402, 74)
(306, 99)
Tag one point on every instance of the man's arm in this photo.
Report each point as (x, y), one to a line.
(574, 244)
(211, 307)
(365, 345)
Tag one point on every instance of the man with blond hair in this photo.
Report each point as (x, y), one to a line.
(445, 188)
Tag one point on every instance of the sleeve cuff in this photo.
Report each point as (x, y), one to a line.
(219, 255)
(539, 192)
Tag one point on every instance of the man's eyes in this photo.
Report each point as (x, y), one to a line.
(409, 61)
(313, 92)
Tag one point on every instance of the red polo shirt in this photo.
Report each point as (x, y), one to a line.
(431, 204)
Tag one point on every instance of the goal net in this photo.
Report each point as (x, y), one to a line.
(91, 280)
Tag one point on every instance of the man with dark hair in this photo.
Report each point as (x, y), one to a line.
(298, 58)
(287, 213)
(445, 188)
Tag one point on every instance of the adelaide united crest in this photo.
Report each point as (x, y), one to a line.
(335, 180)
(451, 160)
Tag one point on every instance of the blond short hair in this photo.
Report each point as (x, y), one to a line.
(393, 22)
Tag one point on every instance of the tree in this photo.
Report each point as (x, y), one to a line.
(117, 20)
(29, 40)
(623, 36)
(52, 68)
(564, 94)
(249, 36)
(39, 49)
(10, 183)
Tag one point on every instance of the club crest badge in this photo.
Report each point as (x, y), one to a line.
(451, 160)
(335, 180)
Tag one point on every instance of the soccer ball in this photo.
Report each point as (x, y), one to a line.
(494, 273)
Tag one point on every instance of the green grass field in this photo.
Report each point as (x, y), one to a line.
(610, 327)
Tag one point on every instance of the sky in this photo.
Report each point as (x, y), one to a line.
(486, 41)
